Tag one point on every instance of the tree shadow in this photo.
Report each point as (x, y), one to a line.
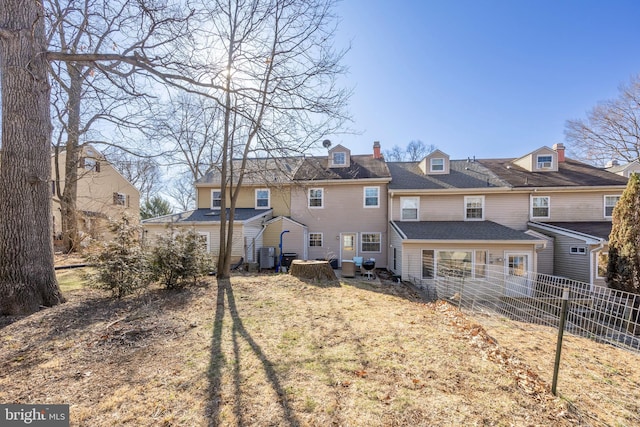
(217, 361)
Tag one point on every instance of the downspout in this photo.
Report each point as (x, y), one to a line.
(280, 246)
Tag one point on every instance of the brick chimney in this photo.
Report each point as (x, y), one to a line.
(559, 147)
(376, 150)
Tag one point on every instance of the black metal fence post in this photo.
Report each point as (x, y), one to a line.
(563, 318)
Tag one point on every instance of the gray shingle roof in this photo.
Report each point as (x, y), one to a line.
(488, 173)
(361, 167)
(462, 174)
(599, 229)
(259, 171)
(571, 173)
(206, 215)
(460, 230)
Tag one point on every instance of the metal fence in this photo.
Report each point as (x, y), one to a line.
(602, 314)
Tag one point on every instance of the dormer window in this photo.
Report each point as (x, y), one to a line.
(545, 161)
(437, 165)
(339, 158)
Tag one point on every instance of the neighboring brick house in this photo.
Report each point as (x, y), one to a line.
(103, 193)
(500, 213)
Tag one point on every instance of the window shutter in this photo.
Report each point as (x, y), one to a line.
(115, 198)
(127, 197)
(97, 166)
(81, 162)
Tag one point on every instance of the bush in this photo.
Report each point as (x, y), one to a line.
(179, 258)
(120, 263)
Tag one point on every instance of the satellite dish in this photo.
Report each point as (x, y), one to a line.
(326, 143)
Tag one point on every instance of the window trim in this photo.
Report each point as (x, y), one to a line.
(321, 198)
(379, 242)
(548, 207)
(120, 199)
(344, 158)
(321, 240)
(207, 237)
(417, 199)
(432, 165)
(482, 208)
(364, 197)
(612, 207)
(541, 164)
(577, 250)
(474, 269)
(212, 198)
(268, 198)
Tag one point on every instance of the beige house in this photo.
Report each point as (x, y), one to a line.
(625, 169)
(327, 207)
(510, 214)
(103, 193)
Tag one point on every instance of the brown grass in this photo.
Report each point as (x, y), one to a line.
(273, 350)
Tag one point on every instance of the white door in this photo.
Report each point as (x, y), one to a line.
(348, 246)
(516, 276)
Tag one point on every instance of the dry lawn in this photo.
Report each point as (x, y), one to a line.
(272, 350)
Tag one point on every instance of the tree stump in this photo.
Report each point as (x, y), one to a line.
(314, 270)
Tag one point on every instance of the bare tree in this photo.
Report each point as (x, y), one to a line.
(142, 172)
(276, 86)
(85, 99)
(395, 154)
(416, 150)
(190, 129)
(182, 191)
(611, 130)
(27, 279)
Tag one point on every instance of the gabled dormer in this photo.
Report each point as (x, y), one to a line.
(435, 163)
(543, 159)
(339, 157)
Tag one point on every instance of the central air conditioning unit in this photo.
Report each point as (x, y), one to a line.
(267, 257)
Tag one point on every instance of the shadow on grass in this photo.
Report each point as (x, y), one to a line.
(217, 361)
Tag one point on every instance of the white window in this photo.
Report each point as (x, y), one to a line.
(315, 239)
(316, 199)
(371, 197)
(216, 199)
(370, 242)
(263, 198)
(409, 208)
(540, 206)
(609, 204)
(545, 161)
(474, 208)
(602, 265)
(204, 239)
(120, 199)
(577, 250)
(340, 158)
(437, 165)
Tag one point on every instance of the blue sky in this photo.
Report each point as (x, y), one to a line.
(490, 78)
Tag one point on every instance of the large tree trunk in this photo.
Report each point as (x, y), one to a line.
(27, 277)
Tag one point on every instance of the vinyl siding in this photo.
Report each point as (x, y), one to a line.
(574, 266)
(293, 241)
(395, 242)
(586, 206)
(280, 198)
(343, 212)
